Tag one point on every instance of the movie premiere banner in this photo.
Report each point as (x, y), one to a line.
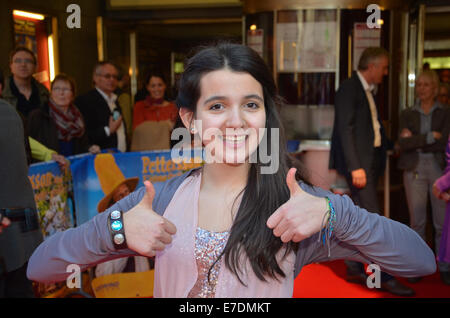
(52, 188)
(95, 178)
(70, 197)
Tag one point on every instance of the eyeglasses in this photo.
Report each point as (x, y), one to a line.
(108, 76)
(20, 61)
(61, 89)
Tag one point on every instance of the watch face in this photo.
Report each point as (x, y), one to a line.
(115, 215)
(116, 226)
(119, 239)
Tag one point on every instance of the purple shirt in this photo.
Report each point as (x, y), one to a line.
(443, 183)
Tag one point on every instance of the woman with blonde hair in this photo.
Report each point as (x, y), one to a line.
(424, 129)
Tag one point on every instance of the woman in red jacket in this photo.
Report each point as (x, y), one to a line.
(154, 107)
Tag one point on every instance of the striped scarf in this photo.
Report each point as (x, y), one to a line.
(69, 124)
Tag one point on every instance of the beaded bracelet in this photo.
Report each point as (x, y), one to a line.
(330, 215)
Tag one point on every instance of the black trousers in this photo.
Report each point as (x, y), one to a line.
(366, 198)
(15, 284)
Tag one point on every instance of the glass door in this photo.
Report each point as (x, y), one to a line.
(307, 67)
(415, 49)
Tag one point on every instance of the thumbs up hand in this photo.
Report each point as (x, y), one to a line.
(146, 231)
(300, 217)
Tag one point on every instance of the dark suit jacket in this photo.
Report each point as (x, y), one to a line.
(352, 140)
(410, 119)
(96, 115)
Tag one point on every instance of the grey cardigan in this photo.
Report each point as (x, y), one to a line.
(358, 235)
(16, 246)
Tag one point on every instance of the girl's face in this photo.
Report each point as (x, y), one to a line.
(62, 93)
(156, 87)
(425, 88)
(231, 112)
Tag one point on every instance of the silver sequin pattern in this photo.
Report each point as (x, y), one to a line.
(208, 246)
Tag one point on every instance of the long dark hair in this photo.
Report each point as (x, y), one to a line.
(264, 193)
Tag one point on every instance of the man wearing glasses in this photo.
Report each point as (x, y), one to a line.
(101, 111)
(26, 94)
(21, 89)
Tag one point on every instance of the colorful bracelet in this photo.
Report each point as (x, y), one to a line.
(330, 215)
(116, 229)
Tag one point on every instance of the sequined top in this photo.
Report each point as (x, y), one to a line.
(208, 246)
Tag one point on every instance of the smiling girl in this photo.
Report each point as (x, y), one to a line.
(227, 229)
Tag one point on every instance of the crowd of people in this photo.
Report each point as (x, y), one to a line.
(359, 146)
(59, 123)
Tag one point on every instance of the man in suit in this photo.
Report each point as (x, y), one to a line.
(358, 147)
(101, 111)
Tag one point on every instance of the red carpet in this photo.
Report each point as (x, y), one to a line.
(327, 280)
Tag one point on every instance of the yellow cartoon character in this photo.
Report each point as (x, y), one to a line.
(114, 184)
(130, 276)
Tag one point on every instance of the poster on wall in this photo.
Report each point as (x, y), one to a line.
(33, 35)
(307, 46)
(364, 37)
(25, 34)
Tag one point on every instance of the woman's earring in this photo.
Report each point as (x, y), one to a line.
(192, 130)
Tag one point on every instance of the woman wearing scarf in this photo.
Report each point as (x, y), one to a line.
(59, 124)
